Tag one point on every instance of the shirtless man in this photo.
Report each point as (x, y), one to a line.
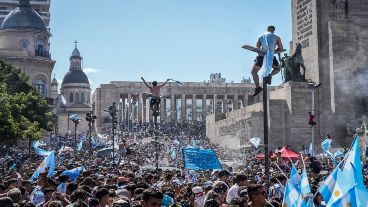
(155, 91)
(258, 62)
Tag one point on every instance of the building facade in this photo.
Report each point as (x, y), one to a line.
(24, 43)
(42, 7)
(190, 101)
(334, 37)
(77, 92)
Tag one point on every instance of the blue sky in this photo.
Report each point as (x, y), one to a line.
(158, 39)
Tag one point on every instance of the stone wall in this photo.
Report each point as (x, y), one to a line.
(289, 105)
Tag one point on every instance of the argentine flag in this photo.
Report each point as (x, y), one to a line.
(48, 162)
(347, 200)
(73, 174)
(38, 150)
(328, 185)
(293, 195)
(268, 42)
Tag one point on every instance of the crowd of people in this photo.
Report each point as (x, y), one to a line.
(132, 179)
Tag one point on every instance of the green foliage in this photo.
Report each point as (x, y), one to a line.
(23, 110)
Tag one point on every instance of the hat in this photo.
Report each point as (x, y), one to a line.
(197, 189)
(167, 201)
(15, 195)
(6, 202)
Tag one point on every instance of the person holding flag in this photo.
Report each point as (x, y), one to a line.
(270, 42)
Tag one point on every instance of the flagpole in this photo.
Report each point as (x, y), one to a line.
(265, 131)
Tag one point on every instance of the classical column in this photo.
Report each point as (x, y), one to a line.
(163, 110)
(183, 107)
(129, 105)
(245, 100)
(204, 107)
(236, 102)
(149, 111)
(225, 104)
(173, 108)
(194, 107)
(140, 107)
(214, 104)
(144, 109)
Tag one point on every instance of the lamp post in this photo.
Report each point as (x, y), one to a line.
(265, 131)
(75, 119)
(112, 111)
(313, 86)
(91, 120)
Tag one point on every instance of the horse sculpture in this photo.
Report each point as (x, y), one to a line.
(293, 64)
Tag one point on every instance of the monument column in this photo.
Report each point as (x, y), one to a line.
(129, 106)
(194, 107)
(225, 104)
(204, 106)
(140, 107)
(173, 108)
(163, 110)
(214, 104)
(144, 109)
(236, 102)
(183, 107)
(245, 100)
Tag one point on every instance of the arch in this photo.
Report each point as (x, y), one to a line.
(71, 97)
(39, 83)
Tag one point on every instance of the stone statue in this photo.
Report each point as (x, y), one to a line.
(293, 64)
(341, 9)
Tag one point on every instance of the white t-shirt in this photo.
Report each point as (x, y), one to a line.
(232, 193)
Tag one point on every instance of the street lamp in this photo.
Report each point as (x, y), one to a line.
(76, 120)
(313, 86)
(91, 120)
(112, 111)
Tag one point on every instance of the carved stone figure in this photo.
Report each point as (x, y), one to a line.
(292, 65)
(341, 9)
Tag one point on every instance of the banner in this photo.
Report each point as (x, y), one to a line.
(199, 159)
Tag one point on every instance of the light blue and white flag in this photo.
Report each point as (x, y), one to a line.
(73, 174)
(347, 200)
(48, 162)
(61, 188)
(350, 176)
(268, 42)
(80, 144)
(338, 153)
(38, 150)
(194, 143)
(327, 187)
(255, 141)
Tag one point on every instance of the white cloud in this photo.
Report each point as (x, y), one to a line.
(90, 70)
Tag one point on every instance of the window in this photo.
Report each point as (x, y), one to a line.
(71, 98)
(40, 85)
(83, 100)
(77, 100)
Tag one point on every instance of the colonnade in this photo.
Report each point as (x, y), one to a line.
(177, 107)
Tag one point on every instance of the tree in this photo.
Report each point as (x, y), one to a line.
(23, 110)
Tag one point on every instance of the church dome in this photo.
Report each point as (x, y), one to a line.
(23, 17)
(75, 76)
(76, 53)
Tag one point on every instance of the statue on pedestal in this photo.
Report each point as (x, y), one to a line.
(292, 66)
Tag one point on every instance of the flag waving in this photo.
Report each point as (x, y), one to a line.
(48, 162)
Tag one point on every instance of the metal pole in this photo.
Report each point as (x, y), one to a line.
(265, 131)
(156, 143)
(312, 126)
(90, 135)
(75, 137)
(113, 140)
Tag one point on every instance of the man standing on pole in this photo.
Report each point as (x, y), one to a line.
(268, 42)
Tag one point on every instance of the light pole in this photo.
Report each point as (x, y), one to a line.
(313, 86)
(265, 131)
(75, 119)
(91, 120)
(112, 112)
